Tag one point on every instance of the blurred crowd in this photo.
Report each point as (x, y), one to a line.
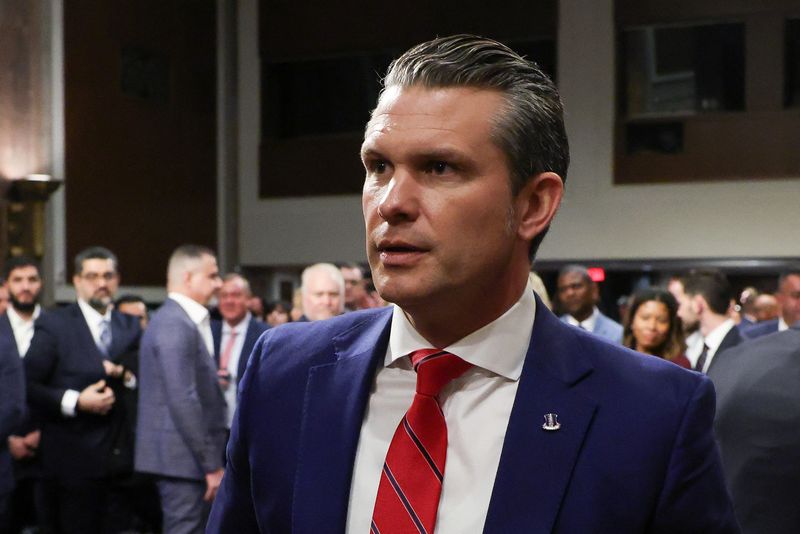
(115, 420)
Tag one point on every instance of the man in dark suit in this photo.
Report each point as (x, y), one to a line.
(181, 429)
(788, 297)
(23, 284)
(509, 420)
(71, 366)
(12, 408)
(234, 336)
(708, 296)
(758, 428)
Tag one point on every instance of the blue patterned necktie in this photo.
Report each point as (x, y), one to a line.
(105, 337)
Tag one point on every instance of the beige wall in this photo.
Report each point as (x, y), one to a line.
(597, 220)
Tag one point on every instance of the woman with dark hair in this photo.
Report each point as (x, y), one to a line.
(653, 326)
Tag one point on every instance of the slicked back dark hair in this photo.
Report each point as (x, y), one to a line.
(529, 130)
(713, 286)
(94, 253)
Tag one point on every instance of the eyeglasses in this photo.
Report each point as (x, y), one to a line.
(94, 277)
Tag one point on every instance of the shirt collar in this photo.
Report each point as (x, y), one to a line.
(715, 337)
(226, 328)
(17, 321)
(781, 324)
(499, 347)
(91, 315)
(588, 323)
(196, 311)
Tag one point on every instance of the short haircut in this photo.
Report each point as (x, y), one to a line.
(575, 268)
(236, 276)
(529, 130)
(328, 269)
(129, 299)
(185, 258)
(94, 253)
(712, 285)
(17, 262)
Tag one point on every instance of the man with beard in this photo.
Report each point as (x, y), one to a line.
(71, 367)
(23, 284)
(689, 320)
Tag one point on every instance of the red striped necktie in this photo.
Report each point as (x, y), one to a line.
(411, 481)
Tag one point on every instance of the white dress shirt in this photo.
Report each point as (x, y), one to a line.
(93, 318)
(782, 325)
(694, 346)
(714, 339)
(22, 328)
(476, 407)
(199, 316)
(588, 323)
(233, 362)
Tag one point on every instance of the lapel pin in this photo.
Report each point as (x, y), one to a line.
(551, 422)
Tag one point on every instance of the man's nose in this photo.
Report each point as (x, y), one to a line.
(400, 202)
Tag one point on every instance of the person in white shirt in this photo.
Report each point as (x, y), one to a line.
(689, 320)
(466, 406)
(234, 336)
(578, 295)
(23, 285)
(707, 296)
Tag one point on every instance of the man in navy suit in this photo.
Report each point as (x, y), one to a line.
(12, 408)
(234, 336)
(548, 429)
(24, 285)
(788, 297)
(181, 428)
(71, 366)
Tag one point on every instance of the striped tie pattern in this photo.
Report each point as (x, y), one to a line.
(411, 481)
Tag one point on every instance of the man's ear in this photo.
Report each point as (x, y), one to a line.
(536, 204)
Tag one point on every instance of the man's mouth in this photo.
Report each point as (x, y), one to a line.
(398, 253)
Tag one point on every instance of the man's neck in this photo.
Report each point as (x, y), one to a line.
(235, 321)
(25, 315)
(582, 315)
(710, 321)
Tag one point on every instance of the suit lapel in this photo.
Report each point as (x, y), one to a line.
(250, 338)
(536, 465)
(8, 333)
(84, 334)
(336, 397)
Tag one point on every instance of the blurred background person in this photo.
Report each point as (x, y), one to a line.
(296, 313)
(3, 298)
(788, 298)
(278, 312)
(766, 307)
(652, 326)
(133, 305)
(690, 322)
(234, 336)
(747, 307)
(578, 295)
(323, 292)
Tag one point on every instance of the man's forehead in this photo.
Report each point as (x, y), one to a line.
(98, 264)
(24, 271)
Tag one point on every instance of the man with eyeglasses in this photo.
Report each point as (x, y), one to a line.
(72, 369)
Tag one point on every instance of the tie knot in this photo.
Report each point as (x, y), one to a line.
(435, 369)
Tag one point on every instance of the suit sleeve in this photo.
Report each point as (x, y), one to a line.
(12, 393)
(234, 509)
(40, 362)
(695, 497)
(178, 348)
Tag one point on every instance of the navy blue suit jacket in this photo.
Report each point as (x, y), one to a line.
(761, 329)
(12, 401)
(635, 452)
(63, 356)
(254, 330)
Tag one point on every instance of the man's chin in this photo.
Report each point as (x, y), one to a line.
(100, 304)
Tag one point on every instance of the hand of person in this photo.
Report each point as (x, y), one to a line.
(213, 480)
(18, 449)
(31, 439)
(112, 369)
(96, 398)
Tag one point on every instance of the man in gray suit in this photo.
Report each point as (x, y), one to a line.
(758, 409)
(578, 295)
(181, 430)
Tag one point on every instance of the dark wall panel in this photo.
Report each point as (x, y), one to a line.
(140, 129)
